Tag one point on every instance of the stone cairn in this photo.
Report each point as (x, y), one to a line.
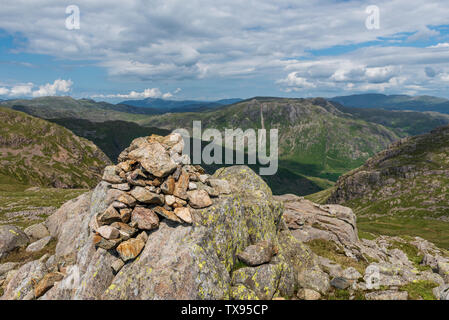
(151, 182)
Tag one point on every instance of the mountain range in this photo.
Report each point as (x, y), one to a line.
(394, 102)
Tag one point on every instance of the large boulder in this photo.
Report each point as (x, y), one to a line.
(182, 260)
(11, 238)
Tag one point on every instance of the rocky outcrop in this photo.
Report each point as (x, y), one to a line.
(360, 266)
(180, 235)
(409, 176)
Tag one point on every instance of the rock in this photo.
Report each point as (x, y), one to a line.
(351, 274)
(153, 158)
(257, 254)
(182, 185)
(308, 294)
(121, 186)
(168, 186)
(184, 214)
(108, 232)
(266, 281)
(145, 218)
(111, 175)
(36, 232)
(170, 215)
(38, 245)
(387, 295)
(105, 244)
(21, 281)
(340, 283)
(46, 283)
(6, 267)
(119, 205)
(125, 230)
(11, 238)
(203, 177)
(199, 199)
(314, 279)
(117, 265)
(127, 199)
(443, 269)
(109, 216)
(241, 292)
(130, 249)
(144, 196)
(192, 186)
(222, 186)
(330, 267)
(125, 215)
(143, 236)
(170, 200)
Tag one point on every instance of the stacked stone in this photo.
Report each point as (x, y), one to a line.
(154, 181)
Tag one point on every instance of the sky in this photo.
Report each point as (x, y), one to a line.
(209, 50)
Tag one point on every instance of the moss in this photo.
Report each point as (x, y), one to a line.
(331, 251)
(418, 290)
(239, 265)
(22, 256)
(366, 235)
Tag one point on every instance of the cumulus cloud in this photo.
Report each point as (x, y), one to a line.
(147, 93)
(27, 89)
(202, 39)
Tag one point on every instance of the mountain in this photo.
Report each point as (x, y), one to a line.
(179, 106)
(404, 187)
(67, 107)
(394, 102)
(110, 136)
(39, 153)
(315, 138)
(405, 123)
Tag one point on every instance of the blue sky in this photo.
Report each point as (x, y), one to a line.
(210, 50)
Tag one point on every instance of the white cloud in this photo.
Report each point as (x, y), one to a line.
(26, 89)
(440, 45)
(147, 93)
(295, 82)
(51, 89)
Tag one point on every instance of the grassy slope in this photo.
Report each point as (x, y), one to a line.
(36, 152)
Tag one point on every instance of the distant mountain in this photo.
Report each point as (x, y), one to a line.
(394, 102)
(405, 123)
(110, 136)
(179, 106)
(40, 153)
(67, 107)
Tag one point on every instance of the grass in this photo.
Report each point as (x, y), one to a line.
(22, 256)
(321, 196)
(420, 290)
(332, 251)
(17, 198)
(435, 231)
(412, 253)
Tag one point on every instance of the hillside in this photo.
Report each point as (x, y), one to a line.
(36, 152)
(403, 188)
(316, 139)
(67, 107)
(394, 102)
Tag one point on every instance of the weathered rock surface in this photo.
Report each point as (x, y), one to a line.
(11, 238)
(38, 245)
(36, 232)
(257, 254)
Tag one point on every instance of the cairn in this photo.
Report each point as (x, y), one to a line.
(154, 181)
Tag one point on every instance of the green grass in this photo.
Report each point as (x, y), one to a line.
(16, 198)
(420, 290)
(434, 231)
(333, 252)
(321, 196)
